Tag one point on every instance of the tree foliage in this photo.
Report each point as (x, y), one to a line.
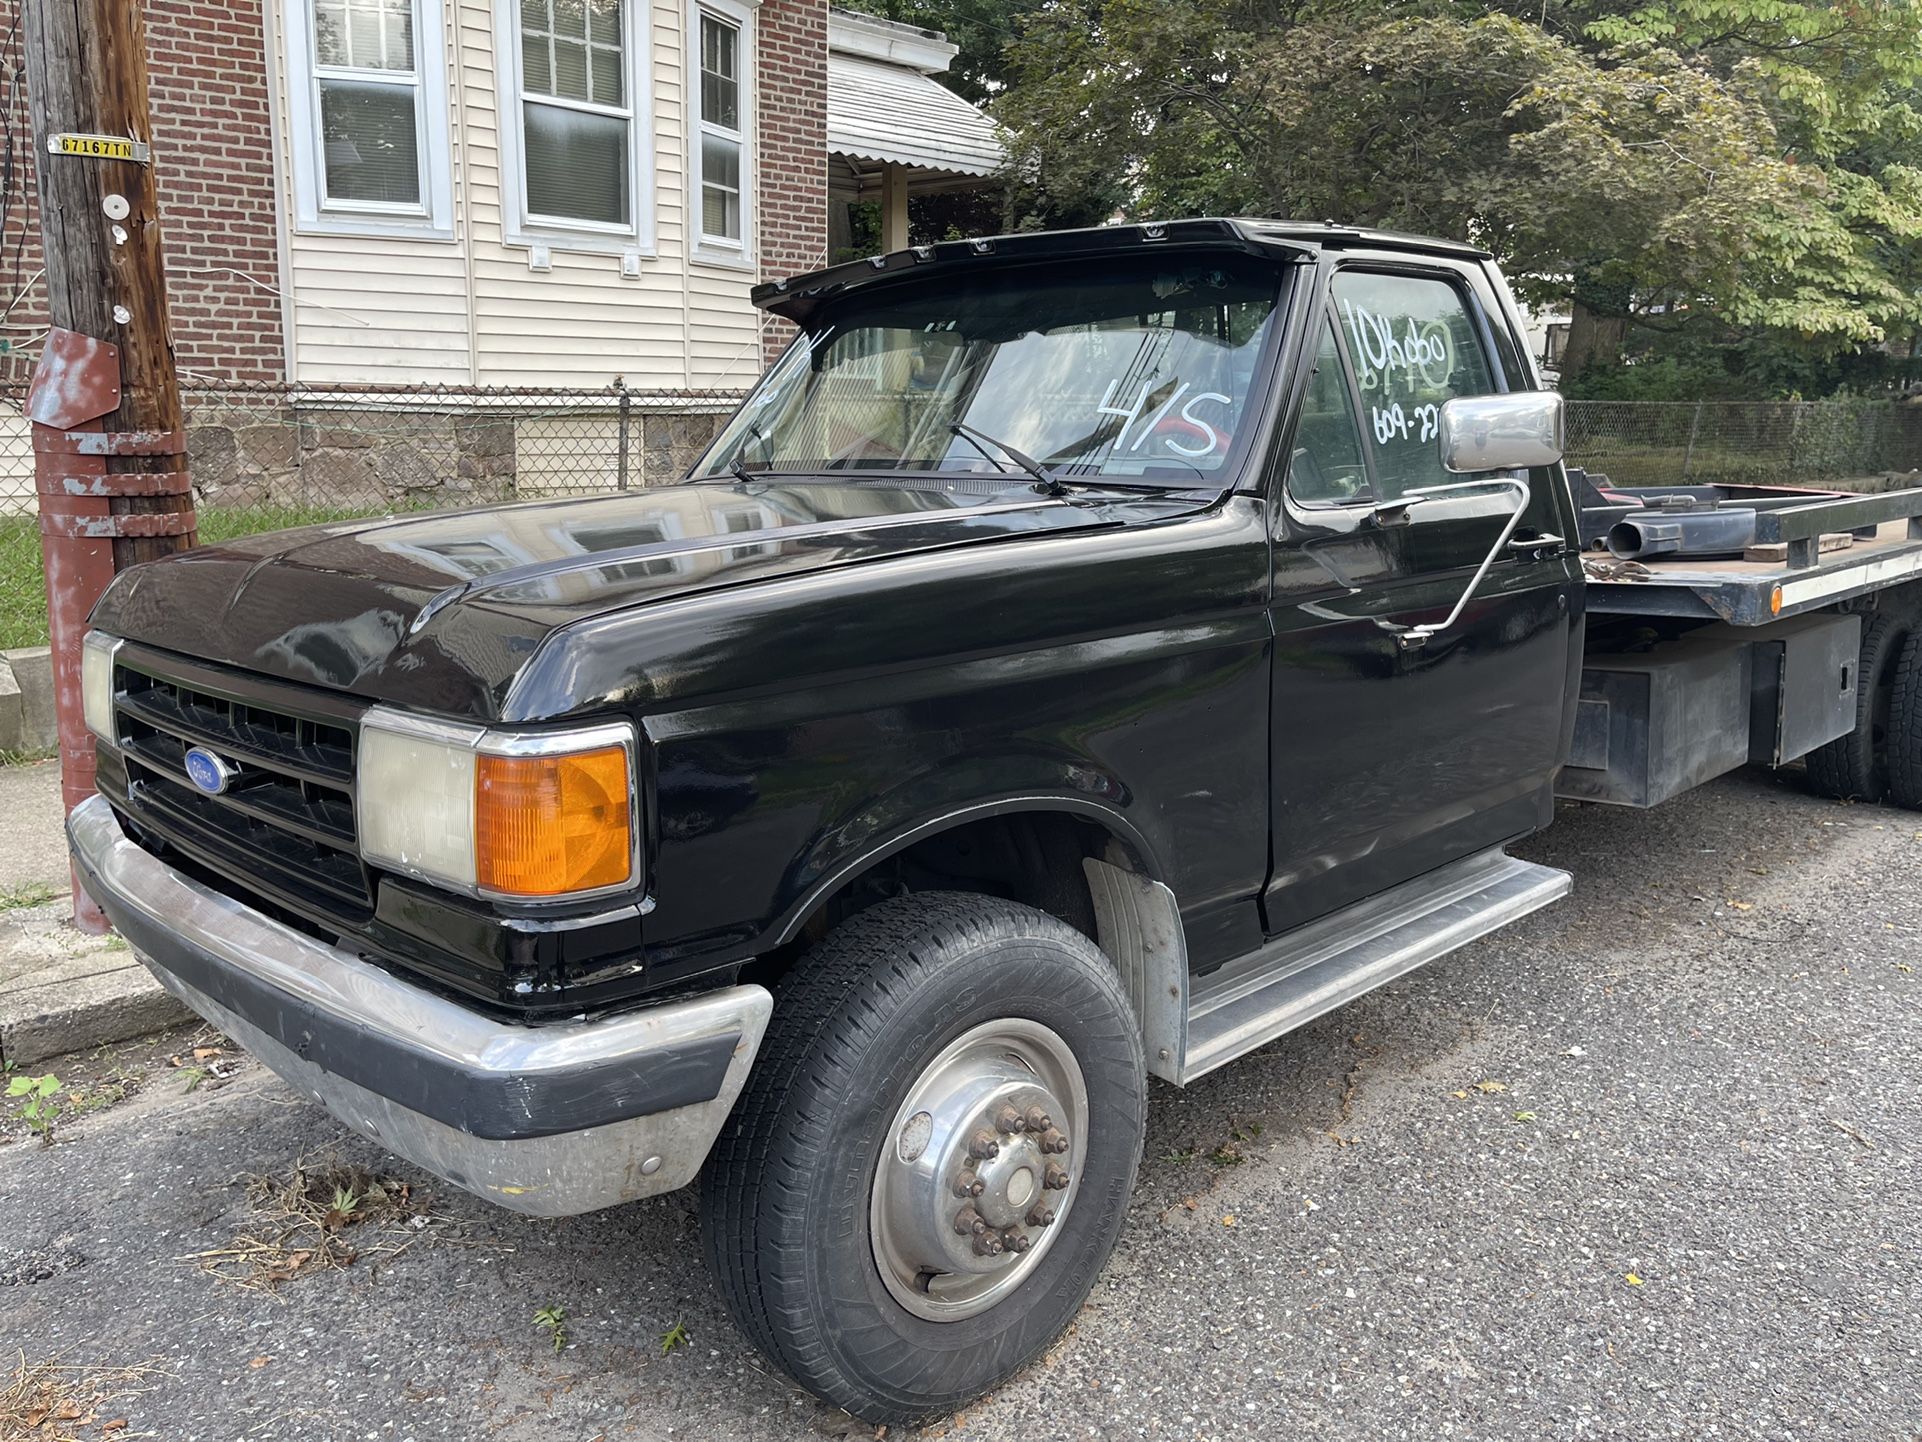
(1739, 169)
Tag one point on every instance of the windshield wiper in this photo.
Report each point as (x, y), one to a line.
(1048, 480)
(737, 468)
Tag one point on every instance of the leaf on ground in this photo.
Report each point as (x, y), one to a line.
(1632, 1279)
(1491, 1087)
(1229, 1220)
(1741, 905)
(1460, 1096)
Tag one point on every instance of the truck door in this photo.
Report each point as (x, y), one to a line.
(1389, 761)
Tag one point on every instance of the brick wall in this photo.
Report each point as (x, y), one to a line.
(793, 195)
(214, 156)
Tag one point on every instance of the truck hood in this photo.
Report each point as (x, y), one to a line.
(442, 611)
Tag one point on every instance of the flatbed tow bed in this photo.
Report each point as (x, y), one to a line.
(1697, 664)
(1884, 549)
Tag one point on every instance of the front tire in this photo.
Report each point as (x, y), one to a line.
(933, 1155)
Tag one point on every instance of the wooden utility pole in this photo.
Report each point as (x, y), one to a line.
(109, 447)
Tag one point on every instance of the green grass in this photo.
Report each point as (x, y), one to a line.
(31, 895)
(23, 596)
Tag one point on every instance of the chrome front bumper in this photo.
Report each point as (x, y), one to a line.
(552, 1120)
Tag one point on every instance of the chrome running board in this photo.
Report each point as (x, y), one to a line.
(1320, 966)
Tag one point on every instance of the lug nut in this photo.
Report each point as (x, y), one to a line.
(1055, 1179)
(1038, 1120)
(1008, 1121)
(1041, 1216)
(982, 1146)
(967, 1221)
(968, 1185)
(1053, 1141)
(989, 1246)
(1015, 1242)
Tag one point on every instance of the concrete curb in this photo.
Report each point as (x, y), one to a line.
(91, 1000)
(26, 699)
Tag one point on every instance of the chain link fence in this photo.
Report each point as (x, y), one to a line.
(1799, 443)
(267, 457)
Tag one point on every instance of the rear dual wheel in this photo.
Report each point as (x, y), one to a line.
(1904, 726)
(1860, 765)
(933, 1156)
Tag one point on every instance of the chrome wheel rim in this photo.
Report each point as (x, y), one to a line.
(978, 1169)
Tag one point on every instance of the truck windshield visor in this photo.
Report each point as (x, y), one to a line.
(1133, 369)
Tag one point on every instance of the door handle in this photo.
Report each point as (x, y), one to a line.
(1523, 545)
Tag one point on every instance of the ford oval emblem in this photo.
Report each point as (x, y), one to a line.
(207, 771)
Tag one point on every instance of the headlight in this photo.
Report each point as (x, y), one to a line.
(97, 652)
(530, 815)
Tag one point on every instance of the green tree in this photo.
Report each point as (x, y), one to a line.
(1701, 164)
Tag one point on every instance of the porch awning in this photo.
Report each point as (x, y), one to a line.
(895, 115)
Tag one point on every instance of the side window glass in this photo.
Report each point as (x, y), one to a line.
(1414, 345)
(1326, 468)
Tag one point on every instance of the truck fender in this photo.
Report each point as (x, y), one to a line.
(847, 866)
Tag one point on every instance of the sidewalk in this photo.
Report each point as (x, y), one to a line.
(60, 990)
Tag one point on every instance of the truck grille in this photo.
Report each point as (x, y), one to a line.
(284, 825)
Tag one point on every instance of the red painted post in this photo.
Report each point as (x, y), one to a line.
(76, 383)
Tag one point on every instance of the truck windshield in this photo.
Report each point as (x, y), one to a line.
(1134, 370)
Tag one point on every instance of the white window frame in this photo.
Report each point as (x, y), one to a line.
(314, 212)
(518, 226)
(716, 249)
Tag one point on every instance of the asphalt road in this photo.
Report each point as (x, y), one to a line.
(1644, 1166)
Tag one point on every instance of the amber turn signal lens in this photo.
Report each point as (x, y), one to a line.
(549, 825)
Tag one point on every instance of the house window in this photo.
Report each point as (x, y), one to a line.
(369, 120)
(576, 115)
(576, 159)
(720, 43)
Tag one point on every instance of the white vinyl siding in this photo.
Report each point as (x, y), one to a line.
(402, 310)
(368, 118)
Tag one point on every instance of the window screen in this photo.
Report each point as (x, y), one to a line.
(574, 107)
(369, 94)
(721, 136)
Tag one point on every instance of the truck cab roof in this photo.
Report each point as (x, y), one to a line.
(799, 297)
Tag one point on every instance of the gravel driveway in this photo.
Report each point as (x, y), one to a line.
(1643, 1166)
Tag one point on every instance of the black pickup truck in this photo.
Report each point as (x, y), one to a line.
(1084, 658)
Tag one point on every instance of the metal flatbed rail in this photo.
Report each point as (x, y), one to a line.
(1884, 549)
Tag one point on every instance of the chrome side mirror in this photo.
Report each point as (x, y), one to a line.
(1513, 432)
